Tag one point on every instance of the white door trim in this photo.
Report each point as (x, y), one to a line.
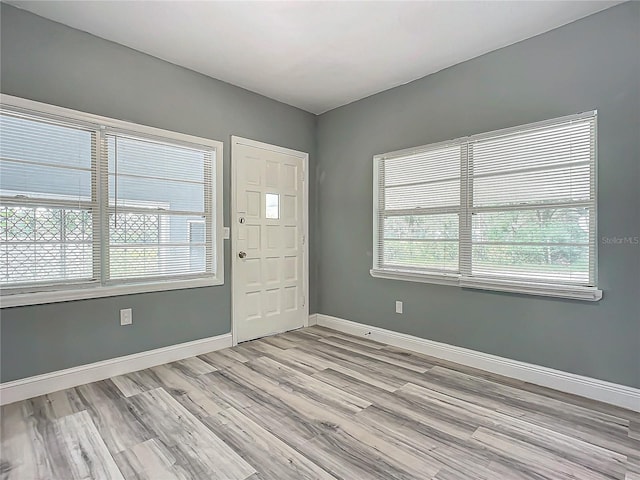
(235, 140)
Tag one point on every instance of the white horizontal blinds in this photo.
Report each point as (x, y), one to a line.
(418, 210)
(160, 208)
(47, 200)
(533, 203)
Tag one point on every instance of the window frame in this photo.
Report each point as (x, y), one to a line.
(463, 278)
(68, 291)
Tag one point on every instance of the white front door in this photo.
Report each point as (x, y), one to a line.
(268, 239)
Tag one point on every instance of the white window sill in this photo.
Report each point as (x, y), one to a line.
(439, 279)
(55, 296)
(589, 294)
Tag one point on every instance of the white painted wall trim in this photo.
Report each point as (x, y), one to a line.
(66, 295)
(71, 377)
(612, 393)
(313, 320)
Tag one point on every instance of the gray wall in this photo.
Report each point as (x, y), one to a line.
(591, 64)
(48, 62)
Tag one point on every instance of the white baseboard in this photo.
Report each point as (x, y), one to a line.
(71, 377)
(612, 393)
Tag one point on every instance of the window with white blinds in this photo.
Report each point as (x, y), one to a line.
(92, 202)
(156, 189)
(512, 210)
(418, 210)
(48, 207)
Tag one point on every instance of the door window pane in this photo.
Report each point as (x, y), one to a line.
(272, 203)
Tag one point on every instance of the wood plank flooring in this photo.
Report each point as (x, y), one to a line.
(316, 404)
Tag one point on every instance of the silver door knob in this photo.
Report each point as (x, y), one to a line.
(242, 254)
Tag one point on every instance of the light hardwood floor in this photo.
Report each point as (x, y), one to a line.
(316, 404)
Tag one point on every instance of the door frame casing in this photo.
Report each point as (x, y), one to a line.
(236, 140)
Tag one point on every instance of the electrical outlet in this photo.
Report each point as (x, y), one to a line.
(398, 306)
(226, 233)
(126, 316)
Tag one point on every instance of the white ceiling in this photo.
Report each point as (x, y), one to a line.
(315, 55)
